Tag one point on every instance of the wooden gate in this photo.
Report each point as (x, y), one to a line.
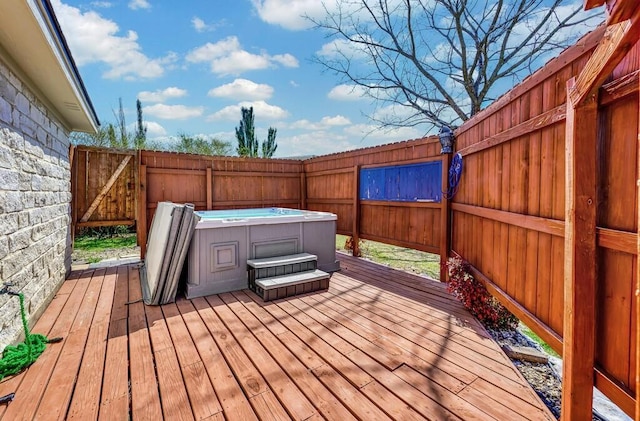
(103, 186)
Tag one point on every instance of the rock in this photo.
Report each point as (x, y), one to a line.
(525, 354)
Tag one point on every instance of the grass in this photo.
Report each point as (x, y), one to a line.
(397, 257)
(92, 243)
(531, 335)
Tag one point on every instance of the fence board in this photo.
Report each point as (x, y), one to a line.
(515, 150)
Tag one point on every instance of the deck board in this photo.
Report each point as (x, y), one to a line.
(378, 344)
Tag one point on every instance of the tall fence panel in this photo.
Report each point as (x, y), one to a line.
(508, 216)
(332, 184)
(215, 183)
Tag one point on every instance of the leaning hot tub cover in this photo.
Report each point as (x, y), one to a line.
(169, 237)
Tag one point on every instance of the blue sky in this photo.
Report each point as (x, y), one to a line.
(194, 64)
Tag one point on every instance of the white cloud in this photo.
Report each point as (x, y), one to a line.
(313, 143)
(288, 14)
(94, 39)
(347, 93)
(294, 14)
(102, 4)
(337, 120)
(173, 112)
(139, 4)
(161, 95)
(155, 129)
(324, 124)
(261, 110)
(198, 24)
(201, 26)
(287, 60)
(374, 134)
(243, 89)
(227, 57)
(294, 84)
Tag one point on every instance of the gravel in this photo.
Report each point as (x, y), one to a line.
(545, 379)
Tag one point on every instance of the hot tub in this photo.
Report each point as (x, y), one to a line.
(224, 240)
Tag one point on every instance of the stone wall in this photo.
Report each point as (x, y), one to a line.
(35, 196)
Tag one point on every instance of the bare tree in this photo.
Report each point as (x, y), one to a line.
(439, 62)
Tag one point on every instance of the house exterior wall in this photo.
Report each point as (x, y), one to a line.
(35, 196)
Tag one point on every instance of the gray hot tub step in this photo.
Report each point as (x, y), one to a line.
(281, 260)
(279, 266)
(292, 284)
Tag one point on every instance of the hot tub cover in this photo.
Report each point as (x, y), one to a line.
(171, 231)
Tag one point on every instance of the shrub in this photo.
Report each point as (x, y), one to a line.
(475, 297)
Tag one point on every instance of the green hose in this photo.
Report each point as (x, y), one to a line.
(16, 358)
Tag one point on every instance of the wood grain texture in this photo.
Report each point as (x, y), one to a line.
(580, 277)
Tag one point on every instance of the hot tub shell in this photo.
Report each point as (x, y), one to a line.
(223, 241)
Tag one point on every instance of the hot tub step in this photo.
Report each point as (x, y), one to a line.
(270, 267)
(281, 260)
(293, 284)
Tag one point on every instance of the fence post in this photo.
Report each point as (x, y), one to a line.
(355, 231)
(445, 219)
(141, 223)
(580, 274)
(209, 187)
(303, 189)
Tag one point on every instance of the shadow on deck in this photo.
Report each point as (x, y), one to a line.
(379, 344)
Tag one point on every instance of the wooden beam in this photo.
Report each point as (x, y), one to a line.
(539, 122)
(580, 273)
(445, 219)
(106, 223)
(355, 231)
(637, 291)
(617, 41)
(619, 88)
(106, 188)
(617, 10)
(536, 223)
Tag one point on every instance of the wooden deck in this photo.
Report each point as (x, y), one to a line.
(379, 344)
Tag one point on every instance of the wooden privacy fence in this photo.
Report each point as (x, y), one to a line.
(536, 192)
(327, 183)
(332, 185)
(104, 185)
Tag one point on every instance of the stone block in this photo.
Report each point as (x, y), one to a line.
(22, 103)
(10, 201)
(20, 240)
(5, 111)
(9, 179)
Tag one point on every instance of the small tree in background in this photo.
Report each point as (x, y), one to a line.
(269, 146)
(246, 135)
(248, 144)
(140, 139)
(123, 141)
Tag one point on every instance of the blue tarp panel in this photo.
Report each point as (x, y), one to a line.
(407, 183)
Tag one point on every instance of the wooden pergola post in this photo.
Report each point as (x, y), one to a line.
(580, 276)
(580, 272)
(637, 291)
